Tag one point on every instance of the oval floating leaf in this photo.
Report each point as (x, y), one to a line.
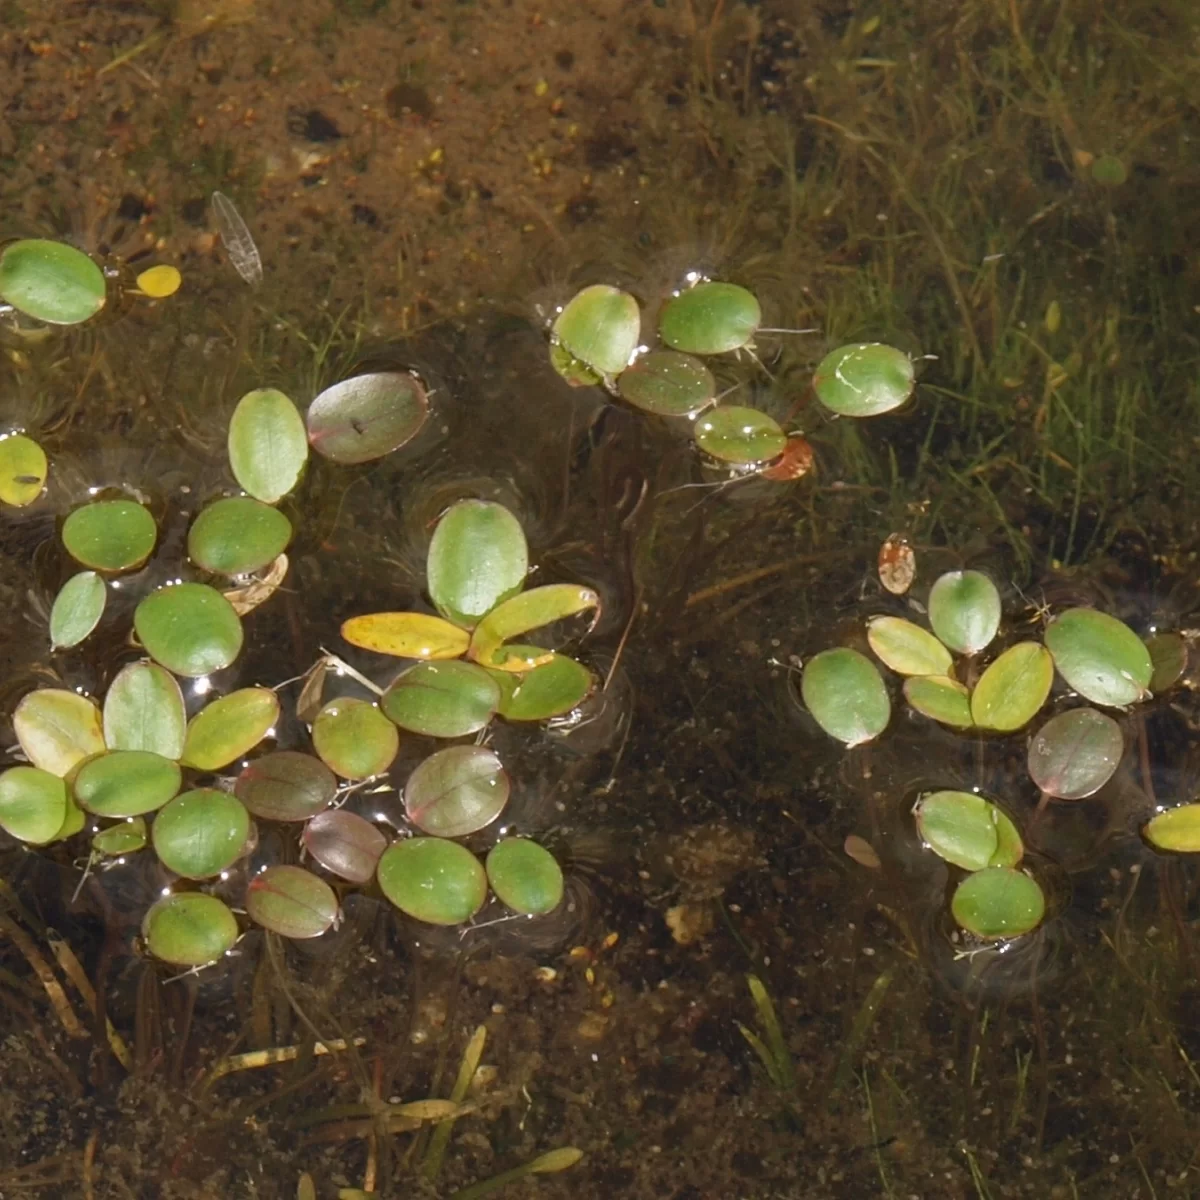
(1100, 657)
(575, 373)
(58, 729)
(126, 783)
(110, 535)
(201, 833)
(549, 690)
(477, 558)
(1075, 753)
(33, 804)
(433, 880)
(355, 739)
(159, 282)
(345, 844)
(794, 463)
(710, 318)
(1169, 655)
(964, 610)
(442, 699)
(864, 379)
(286, 786)
(525, 876)
(907, 648)
(967, 830)
(268, 445)
(736, 434)
(1177, 829)
(77, 609)
(406, 635)
(530, 610)
(143, 710)
(998, 902)
(367, 416)
(128, 837)
(940, 698)
(238, 535)
(50, 281)
(190, 628)
(23, 470)
(190, 929)
(1013, 688)
(600, 326)
(456, 791)
(229, 727)
(292, 902)
(846, 695)
(668, 384)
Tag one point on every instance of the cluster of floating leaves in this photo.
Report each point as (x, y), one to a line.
(596, 340)
(949, 677)
(138, 775)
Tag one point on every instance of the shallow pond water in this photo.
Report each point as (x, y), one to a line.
(426, 182)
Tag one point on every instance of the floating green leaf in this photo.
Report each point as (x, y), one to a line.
(1169, 656)
(406, 635)
(201, 833)
(229, 727)
(667, 384)
(864, 379)
(345, 844)
(190, 929)
(50, 281)
(367, 416)
(735, 434)
(525, 876)
(907, 648)
(268, 445)
(77, 609)
(238, 535)
(846, 695)
(1100, 657)
(126, 783)
(941, 699)
(967, 830)
(23, 469)
(548, 690)
(477, 558)
(1075, 753)
(110, 535)
(964, 610)
(1177, 829)
(1013, 688)
(286, 786)
(433, 880)
(143, 710)
(456, 791)
(999, 902)
(355, 739)
(128, 837)
(73, 822)
(33, 804)
(190, 628)
(442, 699)
(1109, 171)
(710, 318)
(600, 326)
(57, 729)
(292, 902)
(530, 610)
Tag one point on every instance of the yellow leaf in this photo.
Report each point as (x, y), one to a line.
(406, 635)
(528, 610)
(159, 282)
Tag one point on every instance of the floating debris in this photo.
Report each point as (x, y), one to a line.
(236, 239)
